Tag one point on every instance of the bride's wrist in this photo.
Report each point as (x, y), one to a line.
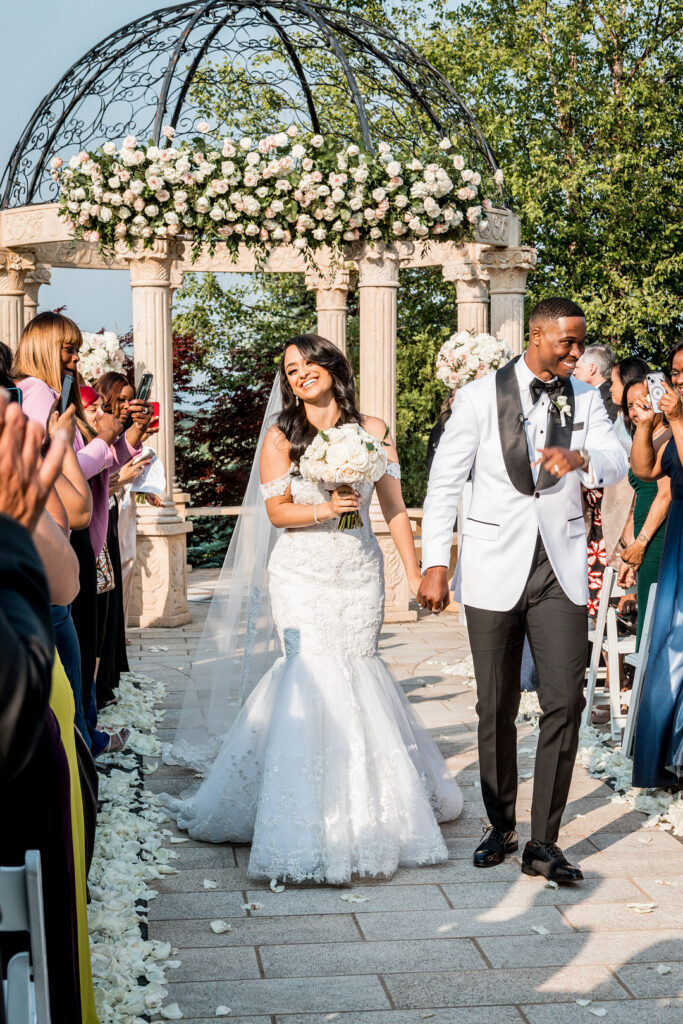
(324, 510)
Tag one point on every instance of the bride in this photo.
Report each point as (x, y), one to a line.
(325, 769)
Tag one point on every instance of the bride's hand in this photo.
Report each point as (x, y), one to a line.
(338, 504)
(414, 583)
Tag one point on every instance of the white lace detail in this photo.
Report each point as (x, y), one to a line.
(327, 770)
(274, 488)
(394, 470)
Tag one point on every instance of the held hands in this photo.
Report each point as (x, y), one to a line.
(432, 591)
(633, 555)
(558, 461)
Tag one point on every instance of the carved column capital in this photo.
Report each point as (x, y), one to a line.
(33, 282)
(149, 266)
(13, 269)
(507, 269)
(378, 267)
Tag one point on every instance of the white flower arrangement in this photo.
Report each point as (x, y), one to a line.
(562, 406)
(464, 357)
(99, 354)
(341, 457)
(287, 188)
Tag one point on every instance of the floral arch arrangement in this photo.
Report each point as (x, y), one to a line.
(304, 97)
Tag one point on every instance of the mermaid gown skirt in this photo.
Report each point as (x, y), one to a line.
(327, 770)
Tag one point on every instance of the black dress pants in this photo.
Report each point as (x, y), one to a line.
(558, 635)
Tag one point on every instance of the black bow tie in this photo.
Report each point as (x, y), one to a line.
(552, 388)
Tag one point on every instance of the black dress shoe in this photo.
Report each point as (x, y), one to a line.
(548, 860)
(493, 847)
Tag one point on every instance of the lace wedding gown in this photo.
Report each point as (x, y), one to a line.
(326, 770)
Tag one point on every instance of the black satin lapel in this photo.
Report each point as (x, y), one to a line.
(511, 429)
(558, 436)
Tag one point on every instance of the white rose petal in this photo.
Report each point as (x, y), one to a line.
(351, 897)
(583, 1002)
(252, 906)
(222, 1011)
(663, 969)
(275, 887)
(220, 927)
(179, 839)
(539, 929)
(210, 884)
(171, 1012)
(597, 1011)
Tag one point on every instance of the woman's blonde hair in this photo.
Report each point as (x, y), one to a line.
(39, 354)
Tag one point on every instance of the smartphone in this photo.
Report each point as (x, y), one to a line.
(65, 399)
(656, 388)
(15, 394)
(145, 386)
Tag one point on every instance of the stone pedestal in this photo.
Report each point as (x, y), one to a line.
(472, 294)
(33, 282)
(331, 294)
(159, 595)
(377, 288)
(13, 270)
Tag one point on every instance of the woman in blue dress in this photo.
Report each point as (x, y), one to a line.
(658, 752)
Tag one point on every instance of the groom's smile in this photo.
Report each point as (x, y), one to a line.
(555, 346)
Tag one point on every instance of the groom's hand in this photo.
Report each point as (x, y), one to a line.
(433, 592)
(559, 461)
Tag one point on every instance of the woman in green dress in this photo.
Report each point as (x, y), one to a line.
(642, 538)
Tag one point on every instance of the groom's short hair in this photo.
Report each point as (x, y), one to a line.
(554, 309)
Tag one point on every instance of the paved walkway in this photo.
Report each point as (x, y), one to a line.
(449, 943)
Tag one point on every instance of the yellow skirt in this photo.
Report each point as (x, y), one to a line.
(62, 704)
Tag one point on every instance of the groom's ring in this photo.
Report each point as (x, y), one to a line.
(556, 469)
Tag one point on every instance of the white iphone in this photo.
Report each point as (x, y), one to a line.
(656, 388)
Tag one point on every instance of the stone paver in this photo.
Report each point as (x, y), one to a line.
(445, 943)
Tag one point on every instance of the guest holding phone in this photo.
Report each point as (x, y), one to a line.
(48, 352)
(658, 752)
(642, 539)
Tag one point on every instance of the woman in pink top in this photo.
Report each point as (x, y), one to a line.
(47, 352)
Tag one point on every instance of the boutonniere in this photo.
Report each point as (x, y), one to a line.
(562, 406)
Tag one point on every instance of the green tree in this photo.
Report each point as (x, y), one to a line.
(582, 103)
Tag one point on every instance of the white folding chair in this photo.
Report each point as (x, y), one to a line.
(596, 637)
(616, 647)
(639, 662)
(25, 992)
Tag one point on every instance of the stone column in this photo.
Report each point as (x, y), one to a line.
(507, 271)
(159, 596)
(377, 290)
(330, 299)
(180, 498)
(13, 270)
(33, 282)
(472, 294)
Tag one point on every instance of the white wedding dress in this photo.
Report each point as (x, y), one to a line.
(326, 771)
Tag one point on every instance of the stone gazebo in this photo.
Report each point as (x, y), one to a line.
(328, 71)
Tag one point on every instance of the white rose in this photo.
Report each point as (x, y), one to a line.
(151, 210)
(202, 205)
(245, 143)
(298, 152)
(393, 168)
(317, 141)
(353, 149)
(105, 214)
(292, 131)
(498, 177)
(445, 144)
(109, 148)
(216, 213)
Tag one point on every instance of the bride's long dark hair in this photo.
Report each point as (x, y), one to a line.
(293, 421)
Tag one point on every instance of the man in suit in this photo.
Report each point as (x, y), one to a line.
(530, 436)
(595, 368)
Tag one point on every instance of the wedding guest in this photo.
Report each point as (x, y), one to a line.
(595, 368)
(33, 764)
(626, 370)
(5, 361)
(658, 750)
(49, 350)
(642, 540)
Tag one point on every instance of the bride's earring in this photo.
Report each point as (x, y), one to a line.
(297, 399)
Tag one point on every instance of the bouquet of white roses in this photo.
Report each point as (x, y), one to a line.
(465, 356)
(343, 456)
(99, 354)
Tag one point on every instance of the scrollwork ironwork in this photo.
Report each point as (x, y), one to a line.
(255, 66)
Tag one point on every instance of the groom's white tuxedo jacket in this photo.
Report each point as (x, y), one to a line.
(491, 433)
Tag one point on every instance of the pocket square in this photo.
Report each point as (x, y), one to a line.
(577, 426)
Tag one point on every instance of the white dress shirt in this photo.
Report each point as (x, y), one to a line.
(535, 414)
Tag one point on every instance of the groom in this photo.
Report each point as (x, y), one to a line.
(530, 436)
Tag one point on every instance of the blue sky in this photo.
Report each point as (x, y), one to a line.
(39, 41)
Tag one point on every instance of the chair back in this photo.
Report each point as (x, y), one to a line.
(21, 910)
